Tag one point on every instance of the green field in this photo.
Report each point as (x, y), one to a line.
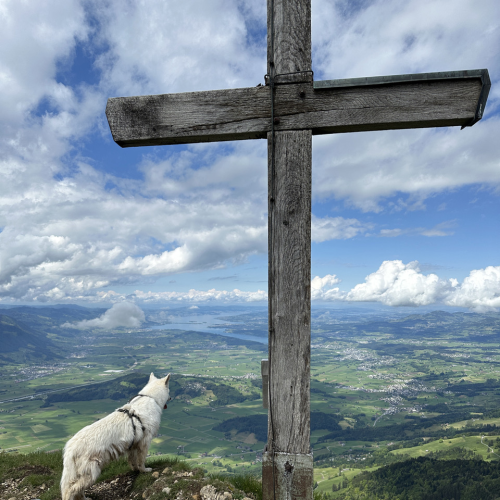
(394, 388)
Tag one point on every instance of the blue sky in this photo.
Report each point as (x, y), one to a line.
(401, 218)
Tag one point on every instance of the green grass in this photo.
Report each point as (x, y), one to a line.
(244, 482)
(41, 468)
(13, 465)
(27, 427)
(472, 443)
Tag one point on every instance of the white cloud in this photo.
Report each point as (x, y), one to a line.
(202, 296)
(336, 228)
(69, 229)
(393, 284)
(398, 284)
(180, 46)
(383, 37)
(68, 237)
(441, 229)
(411, 164)
(35, 36)
(65, 232)
(121, 314)
(480, 291)
(321, 288)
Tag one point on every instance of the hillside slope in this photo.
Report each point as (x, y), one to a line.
(19, 342)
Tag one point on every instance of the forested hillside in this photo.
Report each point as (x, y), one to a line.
(427, 479)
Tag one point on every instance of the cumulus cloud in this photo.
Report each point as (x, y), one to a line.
(383, 37)
(322, 288)
(121, 314)
(367, 169)
(398, 284)
(480, 291)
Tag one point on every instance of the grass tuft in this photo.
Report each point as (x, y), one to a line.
(244, 482)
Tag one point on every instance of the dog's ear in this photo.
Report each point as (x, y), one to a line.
(167, 379)
(152, 377)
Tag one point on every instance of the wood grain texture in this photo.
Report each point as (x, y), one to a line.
(237, 114)
(301, 77)
(290, 291)
(264, 369)
(292, 36)
(216, 115)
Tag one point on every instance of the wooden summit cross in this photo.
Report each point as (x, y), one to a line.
(287, 111)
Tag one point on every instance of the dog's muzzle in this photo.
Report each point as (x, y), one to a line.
(165, 407)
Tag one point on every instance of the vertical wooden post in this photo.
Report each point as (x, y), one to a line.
(287, 468)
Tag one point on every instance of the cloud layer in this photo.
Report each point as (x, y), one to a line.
(121, 314)
(393, 284)
(70, 228)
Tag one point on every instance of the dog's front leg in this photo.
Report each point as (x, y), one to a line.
(142, 453)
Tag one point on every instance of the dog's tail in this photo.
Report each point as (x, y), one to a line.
(79, 473)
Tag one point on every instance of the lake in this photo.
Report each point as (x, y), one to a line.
(207, 323)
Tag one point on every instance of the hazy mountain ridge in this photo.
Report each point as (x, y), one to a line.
(19, 340)
(50, 318)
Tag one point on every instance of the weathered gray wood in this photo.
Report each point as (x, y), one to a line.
(226, 115)
(264, 369)
(300, 77)
(216, 115)
(292, 479)
(290, 292)
(287, 466)
(292, 36)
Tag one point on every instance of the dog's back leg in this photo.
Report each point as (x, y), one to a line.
(133, 459)
(75, 481)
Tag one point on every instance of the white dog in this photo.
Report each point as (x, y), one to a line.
(128, 430)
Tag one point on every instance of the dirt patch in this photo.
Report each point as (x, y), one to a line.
(28, 470)
(120, 487)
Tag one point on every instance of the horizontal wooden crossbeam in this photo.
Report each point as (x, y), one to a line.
(326, 107)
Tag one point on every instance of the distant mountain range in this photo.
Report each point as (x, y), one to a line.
(20, 343)
(24, 329)
(48, 319)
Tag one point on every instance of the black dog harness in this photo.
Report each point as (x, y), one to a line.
(146, 396)
(127, 412)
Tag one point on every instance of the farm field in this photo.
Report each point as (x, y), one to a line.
(385, 388)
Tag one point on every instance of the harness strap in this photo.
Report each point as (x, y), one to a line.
(142, 396)
(127, 412)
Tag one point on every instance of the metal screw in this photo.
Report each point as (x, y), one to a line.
(276, 120)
